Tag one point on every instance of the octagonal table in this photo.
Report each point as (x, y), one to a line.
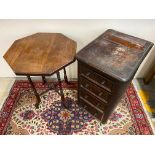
(41, 54)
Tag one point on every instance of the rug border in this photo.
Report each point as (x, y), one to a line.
(142, 109)
(4, 104)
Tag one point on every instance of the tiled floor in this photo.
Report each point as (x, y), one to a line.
(6, 84)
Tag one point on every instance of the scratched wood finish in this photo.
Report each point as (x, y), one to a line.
(106, 67)
(116, 54)
(40, 53)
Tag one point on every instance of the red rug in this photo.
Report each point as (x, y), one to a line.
(19, 115)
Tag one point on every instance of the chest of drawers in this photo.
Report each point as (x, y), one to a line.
(105, 68)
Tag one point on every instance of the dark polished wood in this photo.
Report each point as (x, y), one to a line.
(106, 67)
(65, 77)
(60, 87)
(35, 92)
(119, 59)
(41, 54)
(44, 79)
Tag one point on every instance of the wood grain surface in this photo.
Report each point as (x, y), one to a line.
(40, 53)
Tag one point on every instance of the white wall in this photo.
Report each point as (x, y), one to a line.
(82, 31)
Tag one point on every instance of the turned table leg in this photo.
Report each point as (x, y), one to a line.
(44, 79)
(65, 77)
(35, 92)
(60, 88)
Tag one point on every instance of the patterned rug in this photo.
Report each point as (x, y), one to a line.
(19, 115)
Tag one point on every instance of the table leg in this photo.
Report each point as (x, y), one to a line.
(35, 92)
(65, 77)
(60, 87)
(44, 79)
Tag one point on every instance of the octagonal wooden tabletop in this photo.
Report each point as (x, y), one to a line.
(40, 54)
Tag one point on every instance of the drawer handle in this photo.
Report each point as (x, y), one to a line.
(87, 85)
(98, 104)
(87, 74)
(85, 107)
(103, 82)
(85, 96)
(95, 114)
(100, 94)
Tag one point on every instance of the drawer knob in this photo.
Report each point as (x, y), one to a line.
(88, 73)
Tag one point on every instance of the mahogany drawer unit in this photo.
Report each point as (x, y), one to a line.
(106, 67)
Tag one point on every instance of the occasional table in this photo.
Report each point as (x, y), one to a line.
(41, 54)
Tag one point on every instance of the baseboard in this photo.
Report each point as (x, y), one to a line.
(39, 78)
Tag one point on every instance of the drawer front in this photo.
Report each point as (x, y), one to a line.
(91, 110)
(97, 91)
(94, 102)
(95, 77)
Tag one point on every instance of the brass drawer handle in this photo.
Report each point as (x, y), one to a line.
(87, 85)
(85, 96)
(103, 82)
(95, 114)
(85, 107)
(100, 94)
(88, 73)
(98, 104)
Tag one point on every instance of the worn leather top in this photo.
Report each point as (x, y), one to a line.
(116, 54)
